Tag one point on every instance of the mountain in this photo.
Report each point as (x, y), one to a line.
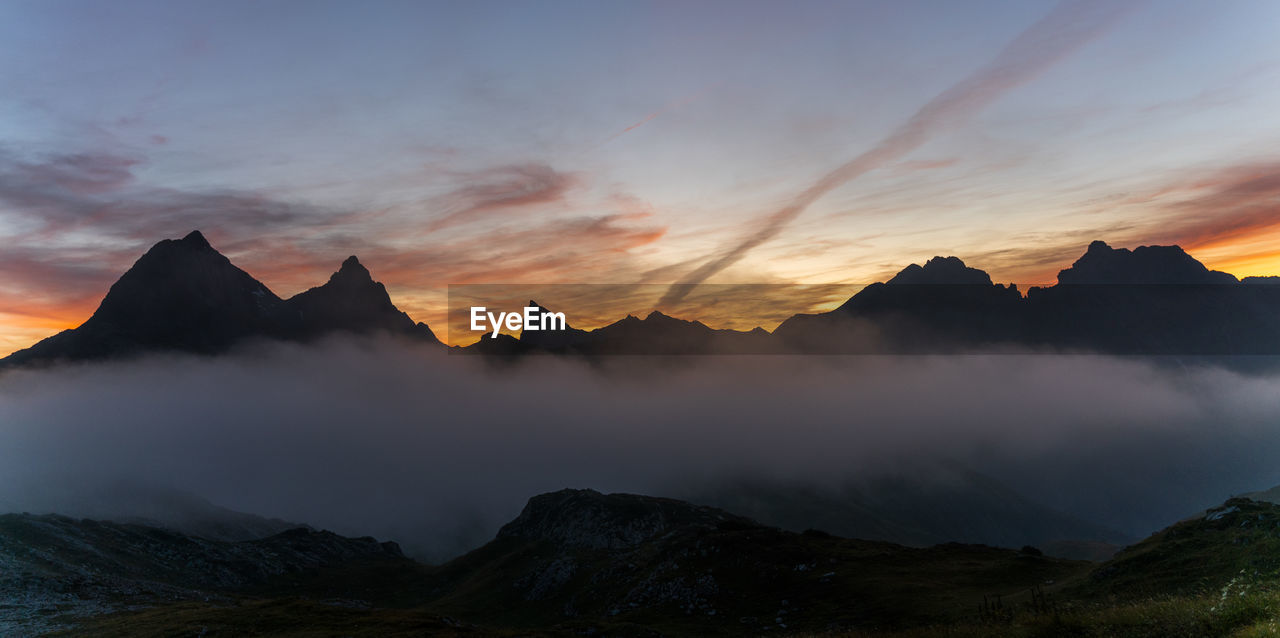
(943, 306)
(183, 295)
(580, 562)
(656, 334)
(574, 562)
(351, 301)
(51, 565)
(639, 565)
(551, 340)
(1153, 300)
(1145, 265)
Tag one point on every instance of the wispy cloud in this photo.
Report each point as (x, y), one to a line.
(499, 189)
(1238, 202)
(99, 192)
(1067, 27)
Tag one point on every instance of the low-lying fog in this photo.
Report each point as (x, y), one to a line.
(437, 451)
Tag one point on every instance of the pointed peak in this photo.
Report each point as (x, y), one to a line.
(195, 239)
(656, 315)
(353, 270)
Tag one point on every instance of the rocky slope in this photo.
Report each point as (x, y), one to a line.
(579, 559)
(52, 566)
(578, 562)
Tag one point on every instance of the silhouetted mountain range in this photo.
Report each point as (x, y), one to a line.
(1155, 300)
(183, 295)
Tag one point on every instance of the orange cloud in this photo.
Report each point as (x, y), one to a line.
(1231, 219)
(502, 188)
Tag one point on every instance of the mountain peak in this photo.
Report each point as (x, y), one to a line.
(352, 270)
(353, 302)
(195, 239)
(1102, 264)
(942, 271)
(180, 295)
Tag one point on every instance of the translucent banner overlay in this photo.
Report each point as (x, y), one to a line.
(628, 319)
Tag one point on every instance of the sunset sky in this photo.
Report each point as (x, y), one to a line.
(626, 142)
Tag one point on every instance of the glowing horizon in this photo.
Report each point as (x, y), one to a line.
(626, 142)
(431, 306)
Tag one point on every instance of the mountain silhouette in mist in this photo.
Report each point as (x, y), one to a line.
(353, 302)
(185, 296)
(657, 333)
(1155, 300)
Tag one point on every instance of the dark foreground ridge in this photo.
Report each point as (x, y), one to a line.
(184, 296)
(53, 565)
(578, 562)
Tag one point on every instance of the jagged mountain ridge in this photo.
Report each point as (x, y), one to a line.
(183, 295)
(1154, 300)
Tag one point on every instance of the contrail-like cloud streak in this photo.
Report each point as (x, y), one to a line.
(1066, 28)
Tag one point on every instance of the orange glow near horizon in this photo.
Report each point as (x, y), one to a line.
(21, 331)
(1240, 256)
(1251, 256)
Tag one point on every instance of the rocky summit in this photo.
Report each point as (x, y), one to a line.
(185, 296)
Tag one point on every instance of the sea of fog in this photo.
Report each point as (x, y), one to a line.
(400, 441)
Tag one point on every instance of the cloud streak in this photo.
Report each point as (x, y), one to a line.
(99, 192)
(1241, 202)
(1066, 28)
(500, 189)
